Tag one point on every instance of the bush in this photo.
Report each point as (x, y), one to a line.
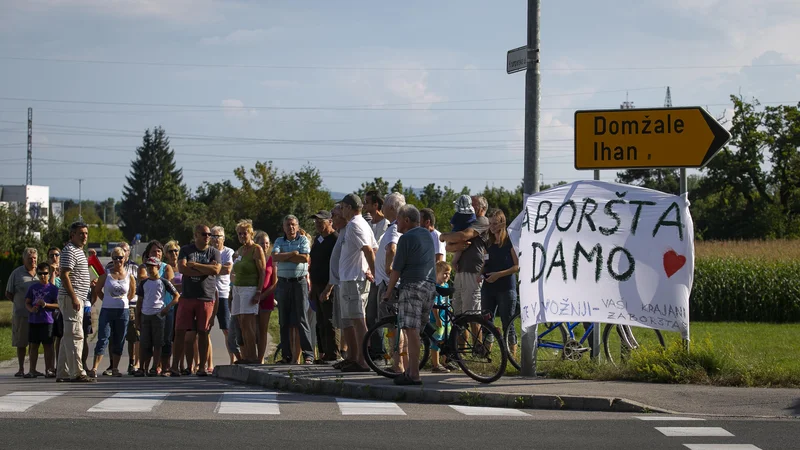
(754, 290)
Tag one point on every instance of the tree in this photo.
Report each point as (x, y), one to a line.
(377, 184)
(664, 180)
(154, 197)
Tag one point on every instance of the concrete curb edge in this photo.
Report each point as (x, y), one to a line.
(414, 394)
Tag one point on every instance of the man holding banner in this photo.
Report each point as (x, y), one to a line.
(592, 251)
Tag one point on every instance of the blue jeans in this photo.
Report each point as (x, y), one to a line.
(293, 312)
(223, 314)
(113, 323)
(502, 303)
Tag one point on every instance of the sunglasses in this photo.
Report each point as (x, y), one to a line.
(42, 273)
(205, 234)
(118, 258)
(175, 250)
(55, 255)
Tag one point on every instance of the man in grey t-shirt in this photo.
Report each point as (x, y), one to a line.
(22, 278)
(413, 263)
(472, 243)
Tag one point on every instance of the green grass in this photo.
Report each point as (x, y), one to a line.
(721, 353)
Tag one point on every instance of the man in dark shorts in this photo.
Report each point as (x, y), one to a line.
(199, 264)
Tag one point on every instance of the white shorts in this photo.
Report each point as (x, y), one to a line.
(242, 302)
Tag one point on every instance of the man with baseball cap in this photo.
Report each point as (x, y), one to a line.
(321, 251)
(356, 269)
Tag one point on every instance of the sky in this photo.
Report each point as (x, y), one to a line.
(415, 90)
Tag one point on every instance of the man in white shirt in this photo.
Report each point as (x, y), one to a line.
(356, 269)
(373, 207)
(383, 268)
(428, 221)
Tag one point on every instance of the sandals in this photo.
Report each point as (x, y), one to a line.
(19, 374)
(440, 369)
(29, 375)
(91, 373)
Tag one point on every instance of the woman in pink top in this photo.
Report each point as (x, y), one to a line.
(267, 303)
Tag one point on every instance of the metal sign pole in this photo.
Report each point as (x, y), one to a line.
(531, 181)
(595, 352)
(684, 189)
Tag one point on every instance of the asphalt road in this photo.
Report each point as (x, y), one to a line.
(208, 412)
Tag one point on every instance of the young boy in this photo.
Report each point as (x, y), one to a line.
(41, 300)
(438, 315)
(150, 313)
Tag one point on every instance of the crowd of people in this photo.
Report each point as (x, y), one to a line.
(367, 259)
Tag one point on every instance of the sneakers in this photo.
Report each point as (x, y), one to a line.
(110, 373)
(84, 379)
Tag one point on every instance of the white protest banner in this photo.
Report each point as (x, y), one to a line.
(592, 251)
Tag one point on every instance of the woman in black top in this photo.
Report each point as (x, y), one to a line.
(499, 290)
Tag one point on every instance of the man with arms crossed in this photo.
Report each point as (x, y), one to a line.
(199, 264)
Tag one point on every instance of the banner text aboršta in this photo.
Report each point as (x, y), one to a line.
(593, 251)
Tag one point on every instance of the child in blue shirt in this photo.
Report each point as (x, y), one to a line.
(437, 316)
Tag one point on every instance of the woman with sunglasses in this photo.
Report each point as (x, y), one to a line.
(115, 288)
(41, 300)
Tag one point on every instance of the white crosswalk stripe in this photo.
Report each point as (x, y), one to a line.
(667, 418)
(721, 447)
(694, 431)
(486, 411)
(130, 402)
(353, 407)
(22, 401)
(248, 402)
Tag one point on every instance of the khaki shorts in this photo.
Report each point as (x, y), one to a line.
(467, 294)
(19, 331)
(353, 297)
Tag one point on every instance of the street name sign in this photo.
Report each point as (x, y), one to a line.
(647, 138)
(517, 59)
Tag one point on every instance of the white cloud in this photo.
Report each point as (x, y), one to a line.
(239, 37)
(234, 108)
(175, 10)
(412, 86)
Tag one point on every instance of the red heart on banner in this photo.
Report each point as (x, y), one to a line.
(673, 262)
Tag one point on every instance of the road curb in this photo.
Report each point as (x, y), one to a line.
(306, 384)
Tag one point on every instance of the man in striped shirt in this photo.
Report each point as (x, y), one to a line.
(74, 290)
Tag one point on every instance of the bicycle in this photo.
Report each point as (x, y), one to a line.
(460, 343)
(564, 345)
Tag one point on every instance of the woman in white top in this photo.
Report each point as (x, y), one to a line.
(115, 288)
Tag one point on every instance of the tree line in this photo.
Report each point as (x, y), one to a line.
(751, 190)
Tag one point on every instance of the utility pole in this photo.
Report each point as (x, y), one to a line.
(531, 168)
(80, 200)
(29, 175)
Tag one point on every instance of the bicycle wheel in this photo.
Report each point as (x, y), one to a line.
(472, 355)
(551, 341)
(380, 359)
(618, 345)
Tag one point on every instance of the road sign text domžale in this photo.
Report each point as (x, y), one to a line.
(646, 138)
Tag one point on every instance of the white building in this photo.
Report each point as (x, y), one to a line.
(36, 199)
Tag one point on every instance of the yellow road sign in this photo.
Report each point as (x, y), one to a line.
(646, 138)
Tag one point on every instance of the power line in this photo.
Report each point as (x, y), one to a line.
(465, 68)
